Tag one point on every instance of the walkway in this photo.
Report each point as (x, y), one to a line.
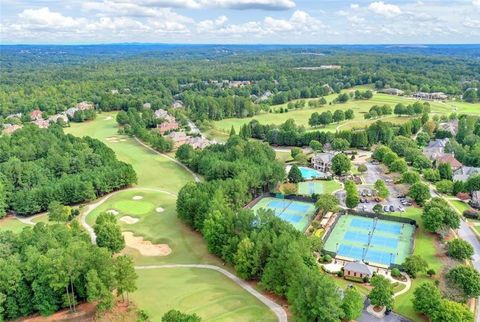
(277, 309)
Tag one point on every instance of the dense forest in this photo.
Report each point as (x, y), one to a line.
(56, 78)
(38, 166)
(50, 267)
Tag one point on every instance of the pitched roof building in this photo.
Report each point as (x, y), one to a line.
(357, 269)
(36, 115)
(10, 128)
(450, 159)
(464, 173)
(178, 138)
(161, 114)
(322, 161)
(435, 148)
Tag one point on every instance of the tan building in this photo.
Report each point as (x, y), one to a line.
(357, 269)
(178, 138)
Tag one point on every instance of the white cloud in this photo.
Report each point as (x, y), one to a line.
(228, 4)
(476, 3)
(209, 25)
(354, 6)
(384, 9)
(46, 19)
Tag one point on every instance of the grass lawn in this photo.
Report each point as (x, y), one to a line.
(460, 205)
(424, 247)
(153, 170)
(301, 116)
(12, 224)
(209, 294)
(283, 156)
(163, 227)
(477, 228)
(318, 186)
(343, 283)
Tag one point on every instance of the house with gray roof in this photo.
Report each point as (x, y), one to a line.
(357, 269)
(435, 148)
(322, 161)
(464, 173)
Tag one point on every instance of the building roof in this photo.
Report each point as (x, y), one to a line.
(10, 128)
(438, 143)
(324, 157)
(464, 173)
(358, 267)
(448, 158)
(37, 114)
(177, 136)
(161, 114)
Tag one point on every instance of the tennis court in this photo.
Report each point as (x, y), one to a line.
(297, 213)
(374, 241)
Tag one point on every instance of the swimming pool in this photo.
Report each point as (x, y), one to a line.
(308, 173)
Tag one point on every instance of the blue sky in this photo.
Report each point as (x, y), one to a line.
(240, 21)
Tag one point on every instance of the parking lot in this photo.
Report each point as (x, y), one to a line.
(397, 201)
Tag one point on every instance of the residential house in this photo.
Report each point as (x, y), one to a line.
(328, 88)
(147, 106)
(36, 115)
(16, 115)
(475, 201)
(10, 128)
(114, 91)
(41, 123)
(161, 114)
(450, 159)
(393, 91)
(451, 126)
(71, 112)
(435, 148)
(177, 104)
(56, 117)
(82, 106)
(168, 125)
(178, 138)
(357, 269)
(265, 96)
(199, 142)
(464, 173)
(439, 96)
(322, 161)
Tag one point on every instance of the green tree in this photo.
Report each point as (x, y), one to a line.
(444, 186)
(339, 144)
(108, 232)
(431, 175)
(419, 192)
(341, 164)
(125, 275)
(295, 151)
(378, 209)
(352, 199)
(460, 249)
(438, 215)
(294, 175)
(3, 201)
(382, 292)
(445, 171)
(352, 304)
(414, 264)
(246, 259)
(452, 311)
(232, 131)
(58, 212)
(466, 278)
(327, 203)
(362, 168)
(315, 145)
(422, 139)
(315, 297)
(177, 316)
(410, 177)
(349, 114)
(338, 116)
(427, 299)
(382, 189)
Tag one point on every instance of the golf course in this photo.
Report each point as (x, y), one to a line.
(154, 236)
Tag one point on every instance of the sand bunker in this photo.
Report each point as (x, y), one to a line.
(112, 139)
(159, 209)
(145, 247)
(129, 220)
(108, 118)
(112, 211)
(137, 198)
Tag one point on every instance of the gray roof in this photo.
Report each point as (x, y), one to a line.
(464, 173)
(324, 157)
(438, 143)
(358, 267)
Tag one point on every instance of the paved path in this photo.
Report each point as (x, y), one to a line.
(195, 176)
(277, 309)
(29, 220)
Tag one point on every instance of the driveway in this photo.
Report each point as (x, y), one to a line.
(392, 317)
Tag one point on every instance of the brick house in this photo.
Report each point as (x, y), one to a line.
(357, 269)
(170, 124)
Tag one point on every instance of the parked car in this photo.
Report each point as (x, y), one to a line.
(377, 199)
(385, 208)
(369, 193)
(364, 194)
(401, 209)
(392, 208)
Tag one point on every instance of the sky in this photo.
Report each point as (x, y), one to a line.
(240, 21)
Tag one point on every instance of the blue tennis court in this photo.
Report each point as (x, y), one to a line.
(374, 241)
(297, 213)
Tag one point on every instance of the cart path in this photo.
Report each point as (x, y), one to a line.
(277, 309)
(92, 206)
(195, 176)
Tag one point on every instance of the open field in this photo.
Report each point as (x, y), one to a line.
(152, 203)
(460, 205)
(209, 294)
(13, 224)
(360, 107)
(319, 187)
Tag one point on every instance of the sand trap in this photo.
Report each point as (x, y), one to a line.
(145, 247)
(112, 211)
(129, 220)
(122, 140)
(108, 118)
(159, 209)
(137, 198)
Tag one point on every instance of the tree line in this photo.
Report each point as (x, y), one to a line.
(38, 166)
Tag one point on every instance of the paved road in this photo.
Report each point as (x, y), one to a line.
(277, 309)
(392, 317)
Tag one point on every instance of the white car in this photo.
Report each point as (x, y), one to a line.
(401, 209)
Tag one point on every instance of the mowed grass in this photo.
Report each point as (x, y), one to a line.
(360, 107)
(460, 205)
(163, 227)
(318, 187)
(153, 170)
(209, 294)
(12, 224)
(425, 248)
